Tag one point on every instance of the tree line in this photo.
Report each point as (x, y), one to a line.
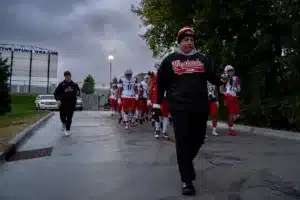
(261, 39)
(5, 98)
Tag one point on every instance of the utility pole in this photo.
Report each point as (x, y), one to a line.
(30, 72)
(11, 68)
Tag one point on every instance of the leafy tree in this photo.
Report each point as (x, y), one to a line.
(163, 18)
(88, 86)
(5, 99)
(261, 39)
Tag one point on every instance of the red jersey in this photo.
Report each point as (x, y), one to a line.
(140, 91)
(154, 89)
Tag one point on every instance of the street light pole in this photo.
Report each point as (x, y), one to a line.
(110, 69)
(110, 59)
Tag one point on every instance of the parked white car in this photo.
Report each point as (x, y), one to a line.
(79, 104)
(46, 102)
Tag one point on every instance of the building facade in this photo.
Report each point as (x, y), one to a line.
(33, 69)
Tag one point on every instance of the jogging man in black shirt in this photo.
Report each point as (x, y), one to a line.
(184, 75)
(66, 95)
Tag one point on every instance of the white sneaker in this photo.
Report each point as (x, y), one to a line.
(156, 134)
(126, 127)
(214, 132)
(63, 127)
(67, 133)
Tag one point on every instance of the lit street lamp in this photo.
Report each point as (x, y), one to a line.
(110, 59)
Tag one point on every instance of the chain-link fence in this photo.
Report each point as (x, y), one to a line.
(37, 87)
(95, 101)
(103, 86)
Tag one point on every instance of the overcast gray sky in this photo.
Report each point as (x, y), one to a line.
(84, 32)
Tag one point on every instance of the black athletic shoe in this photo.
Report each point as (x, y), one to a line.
(120, 120)
(188, 189)
(153, 123)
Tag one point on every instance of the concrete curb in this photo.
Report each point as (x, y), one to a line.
(22, 136)
(260, 131)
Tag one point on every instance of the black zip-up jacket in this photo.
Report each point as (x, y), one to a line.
(184, 78)
(67, 92)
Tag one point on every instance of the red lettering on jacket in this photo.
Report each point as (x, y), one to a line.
(189, 66)
(68, 89)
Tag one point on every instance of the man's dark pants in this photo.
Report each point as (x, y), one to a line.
(66, 112)
(190, 131)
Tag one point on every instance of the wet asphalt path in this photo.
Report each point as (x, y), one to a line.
(102, 161)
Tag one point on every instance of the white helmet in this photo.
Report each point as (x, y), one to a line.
(128, 72)
(228, 68)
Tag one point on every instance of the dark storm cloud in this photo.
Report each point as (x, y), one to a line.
(84, 33)
(96, 22)
(29, 23)
(54, 7)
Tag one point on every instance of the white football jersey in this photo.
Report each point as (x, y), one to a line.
(128, 87)
(211, 89)
(231, 89)
(145, 89)
(113, 93)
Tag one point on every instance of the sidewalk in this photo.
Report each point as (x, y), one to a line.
(100, 160)
(259, 131)
(16, 141)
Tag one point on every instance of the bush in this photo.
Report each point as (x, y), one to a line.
(281, 115)
(5, 100)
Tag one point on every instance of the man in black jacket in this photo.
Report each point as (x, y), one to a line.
(66, 95)
(184, 75)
